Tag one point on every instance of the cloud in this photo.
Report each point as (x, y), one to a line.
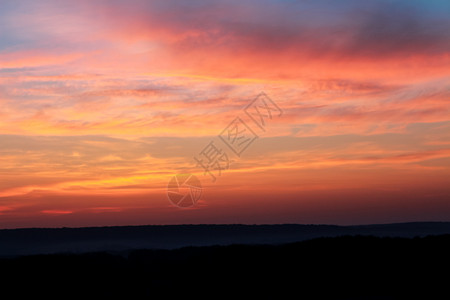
(56, 212)
(236, 39)
(102, 101)
(399, 30)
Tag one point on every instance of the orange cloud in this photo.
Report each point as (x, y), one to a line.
(101, 102)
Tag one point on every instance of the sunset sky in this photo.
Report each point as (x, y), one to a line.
(102, 102)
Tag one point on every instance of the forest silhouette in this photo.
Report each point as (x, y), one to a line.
(346, 267)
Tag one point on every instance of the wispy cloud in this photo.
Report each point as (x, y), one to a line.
(109, 98)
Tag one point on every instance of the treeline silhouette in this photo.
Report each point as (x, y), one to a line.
(348, 267)
(30, 241)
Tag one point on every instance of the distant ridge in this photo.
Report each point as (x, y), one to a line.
(121, 238)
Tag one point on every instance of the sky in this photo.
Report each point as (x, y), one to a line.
(340, 111)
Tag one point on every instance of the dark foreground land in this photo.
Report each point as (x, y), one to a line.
(346, 267)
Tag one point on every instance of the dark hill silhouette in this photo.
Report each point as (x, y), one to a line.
(78, 240)
(348, 267)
